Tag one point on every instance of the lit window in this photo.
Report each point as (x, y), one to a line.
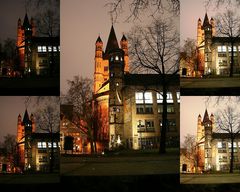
(54, 49)
(222, 48)
(39, 49)
(229, 49)
(139, 97)
(39, 145)
(54, 145)
(49, 144)
(169, 97)
(159, 98)
(59, 48)
(49, 49)
(42, 145)
(219, 144)
(44, 48)
(116, 58)
(148, 97)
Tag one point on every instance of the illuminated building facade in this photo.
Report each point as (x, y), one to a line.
(131, 104)
(214, 52)
(67, 128)
(37, 55)
(215, 148)
(34, 149)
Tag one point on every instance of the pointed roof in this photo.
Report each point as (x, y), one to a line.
(124, 38)
(206, 117)
(112, 41)
(99, 39)
(206, 20)
(26, 117)
(26, 21)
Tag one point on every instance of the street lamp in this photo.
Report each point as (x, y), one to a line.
(118, 140)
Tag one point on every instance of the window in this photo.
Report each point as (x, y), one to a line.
(54, 49)
(139, 97)
(149, 126)
(42, 145)
(144, 102)
(59, 48)
(144, 98)
(42, 159)
(116, 58)
(219, 144)
(42, 49)
(140, 126)
(222, 49)
(160, 97)
(105, 68)
(148, 97)
(145, 126)
(170, 108)
(49, 49)
(178, 96)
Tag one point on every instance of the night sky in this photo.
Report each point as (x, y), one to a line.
(81, 23)
(10, 12)
(10, 108)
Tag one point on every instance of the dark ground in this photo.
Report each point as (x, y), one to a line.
(34, 86)
(218, 86)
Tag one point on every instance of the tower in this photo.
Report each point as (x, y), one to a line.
(205, 32)
(207, 27)
(200, 144)
(25, 128)
(208, 137)
(20, 141)
(110, 67)
(124, 47)
(204, 130)
(98, 73)
(25, 32)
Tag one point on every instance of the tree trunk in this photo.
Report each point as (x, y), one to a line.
(162, 148)
(232, 60)
(232, 156)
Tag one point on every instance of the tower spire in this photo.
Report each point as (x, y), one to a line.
(112, 41)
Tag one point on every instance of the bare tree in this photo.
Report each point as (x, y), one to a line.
(136, 7)
(219, 3)
(86, 117)
(228, 121)
(188, 57)
(191, 150)
(47, 115)
(228, 26)
(156, 50)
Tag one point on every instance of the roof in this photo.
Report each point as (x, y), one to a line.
(206, 20)
(45, 136)
(225, 40)
(112, 41)
(124, 38)
(26, 21)
(206, 117)
(223, 136)
(99, 39)
(149, 79)
(26, 119)
(46, 40)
